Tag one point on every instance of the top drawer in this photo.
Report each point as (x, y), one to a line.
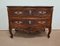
(32, 11)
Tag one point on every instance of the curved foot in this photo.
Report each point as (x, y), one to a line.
(11, 36)
(48, 36)
(49, 32)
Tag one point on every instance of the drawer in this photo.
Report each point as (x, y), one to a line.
(24, 12)
(31, 22)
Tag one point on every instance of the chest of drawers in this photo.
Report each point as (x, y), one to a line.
(30, 18)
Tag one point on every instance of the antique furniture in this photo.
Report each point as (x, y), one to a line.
(30, 18)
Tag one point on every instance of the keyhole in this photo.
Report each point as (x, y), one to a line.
(29, 22)
(30, 12)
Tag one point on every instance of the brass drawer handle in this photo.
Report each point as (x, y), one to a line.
(41, 22)
(18, 22)
(18, 12)
(42, 12)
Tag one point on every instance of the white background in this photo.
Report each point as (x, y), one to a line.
(4, 16)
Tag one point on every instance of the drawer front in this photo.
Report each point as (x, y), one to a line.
(30, 23)
(38, 12)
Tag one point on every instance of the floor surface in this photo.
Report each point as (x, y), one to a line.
(25, 40)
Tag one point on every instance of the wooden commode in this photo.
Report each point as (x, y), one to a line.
(30, 18)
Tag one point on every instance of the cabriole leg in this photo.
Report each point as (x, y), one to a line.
(49, 32)
(11, 34)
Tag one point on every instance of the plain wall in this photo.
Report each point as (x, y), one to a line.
(4, 16)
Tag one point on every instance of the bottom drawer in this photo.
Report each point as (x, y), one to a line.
(36, 25)
(30, 23)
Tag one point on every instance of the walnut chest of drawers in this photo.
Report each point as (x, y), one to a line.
(30, 18)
